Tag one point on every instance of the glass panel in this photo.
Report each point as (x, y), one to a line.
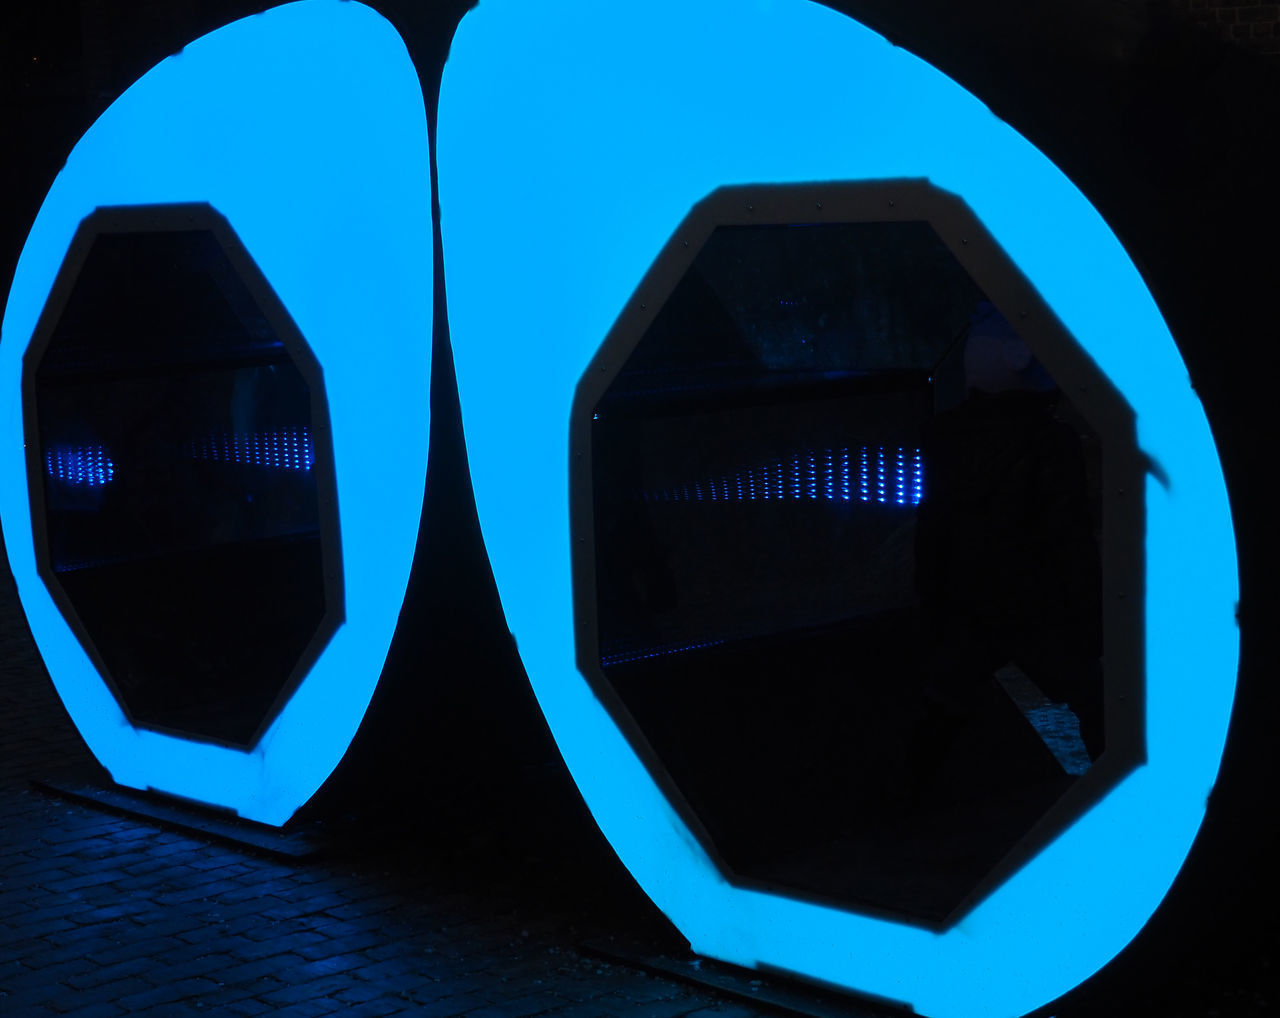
(847, 563)
(182, 517)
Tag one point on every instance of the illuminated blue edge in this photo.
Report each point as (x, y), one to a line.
(572, 140)
(305, 127)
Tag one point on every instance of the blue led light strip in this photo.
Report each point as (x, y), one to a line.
(82, 465)
(282, 449)
(888, 475)
(663, 650)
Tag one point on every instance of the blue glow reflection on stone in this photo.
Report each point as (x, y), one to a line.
(305, 127)
(620, 118)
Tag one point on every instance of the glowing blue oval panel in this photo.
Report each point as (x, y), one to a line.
(305, 128)
(573, 138)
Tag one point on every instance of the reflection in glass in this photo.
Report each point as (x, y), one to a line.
(847, 568)
(181, 507)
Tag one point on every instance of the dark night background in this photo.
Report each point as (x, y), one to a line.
(1164, 112)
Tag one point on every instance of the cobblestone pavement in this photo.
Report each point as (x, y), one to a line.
(470, 904)
(102, 914)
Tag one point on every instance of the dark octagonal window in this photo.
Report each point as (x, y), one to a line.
(181, 473)
(849, 503)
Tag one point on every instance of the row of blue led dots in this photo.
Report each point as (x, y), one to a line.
(84, 465)
(283, 449)
(626, 657)
(884, 474)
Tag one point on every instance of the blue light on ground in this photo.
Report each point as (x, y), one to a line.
(612, 156)
(87, 466)
(304, 126)
(1055, 723)
(1059, 729)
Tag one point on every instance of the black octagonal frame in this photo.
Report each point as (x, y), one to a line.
(1090, 391)
(181, 217)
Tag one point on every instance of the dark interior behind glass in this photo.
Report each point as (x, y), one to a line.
(777, 579)
(178, 454)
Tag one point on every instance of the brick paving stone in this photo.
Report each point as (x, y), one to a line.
(246, 873)
(230, 874)
(240, 891)
(614, 983)
(389, 967)
(84, 831)
(166, 923)
(103, 1009)
(309, 1008)
(230, 992)
(246, 971)
(106, 850)
(198, 892)
(209, 964)
(47, 975)
(93, 930)
(213, 858)
(524, 1006)
(245, 949)
(342, 943)
(41, 866)
(170, 1009)
(151, 882)
(139, 945)
(45, 905)
(452, 982)
(90, 847)
(419, 988)
(275, 909)
(148, 865)
(239, 911)
(25, 1008)
(167, 993)
(47, 958)
(367, 907)
(375, 1009)
(248, 1006)
(521, 968)
(344, 966)
(111, 991)
(76, 882)
(397, 948)
(110, 973)
(320, 901)
(446, 1007)
(295, 942)
(254, 929)
(584, 1009)
(393, 926)
(357, 993)
(17, 899)
(115, 910)
(310, 876)
(14, 938)
(134, 831)
(304, 988)
(621, 1004)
